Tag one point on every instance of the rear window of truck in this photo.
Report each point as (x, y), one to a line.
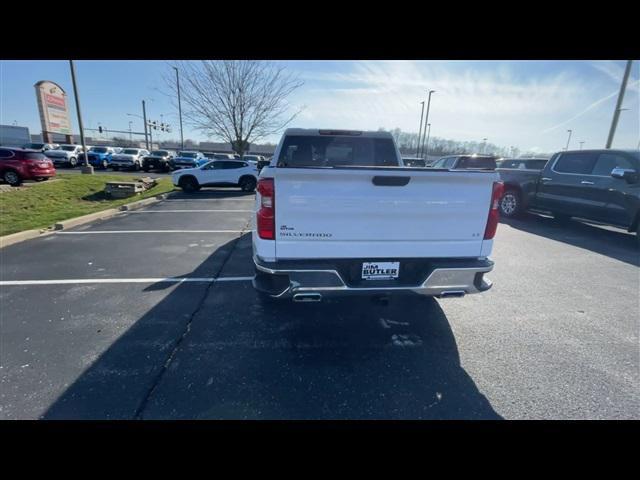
(337, 151)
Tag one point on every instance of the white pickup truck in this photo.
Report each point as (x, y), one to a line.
(337, 213)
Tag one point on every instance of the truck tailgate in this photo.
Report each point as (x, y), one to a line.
(380, 213)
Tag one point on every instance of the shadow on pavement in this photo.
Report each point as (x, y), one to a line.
(210, 192)
(234, 356)
(614, 243)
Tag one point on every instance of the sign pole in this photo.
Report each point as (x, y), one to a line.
(86, 168)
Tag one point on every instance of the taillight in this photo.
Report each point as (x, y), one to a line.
(266, 216)
(494, 213)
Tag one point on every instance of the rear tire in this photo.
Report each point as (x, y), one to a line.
(12, 178)
(248, 184)
(115, 168)
(73, 162)
(189, 184)
(146, 168)
(104, 165)
(510, 204)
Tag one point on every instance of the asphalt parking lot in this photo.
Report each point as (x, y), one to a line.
(151, 314)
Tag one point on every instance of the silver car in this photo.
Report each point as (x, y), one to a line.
(129, 158)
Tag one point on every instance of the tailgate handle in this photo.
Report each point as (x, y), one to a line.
(390, 181)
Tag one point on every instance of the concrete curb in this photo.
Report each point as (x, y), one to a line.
(74, 222)
(18, 237)
(143, 203)
(7, 240)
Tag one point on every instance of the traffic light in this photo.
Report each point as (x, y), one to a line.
(100, 129)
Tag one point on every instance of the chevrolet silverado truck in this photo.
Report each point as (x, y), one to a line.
(598, 185)
(338, 213)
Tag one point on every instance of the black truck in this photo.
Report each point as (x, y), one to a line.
(158, 160)
(599, 185)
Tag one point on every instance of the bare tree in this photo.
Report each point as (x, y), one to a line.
(240, 101)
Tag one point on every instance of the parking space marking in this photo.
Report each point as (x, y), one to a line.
(9, 283)
(93, 232)
(185, 211)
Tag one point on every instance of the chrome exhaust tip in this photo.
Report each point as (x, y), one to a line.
(307, 297)
(452, 293)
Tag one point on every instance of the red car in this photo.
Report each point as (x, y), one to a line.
(18, 164)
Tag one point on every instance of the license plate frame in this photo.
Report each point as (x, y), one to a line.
(380, 270)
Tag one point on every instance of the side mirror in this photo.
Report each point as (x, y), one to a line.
(631, 176)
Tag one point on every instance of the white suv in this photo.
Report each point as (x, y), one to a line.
(129, 158)
(218, 173)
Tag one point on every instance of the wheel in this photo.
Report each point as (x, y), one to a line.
(73, 162)
(166, 168)
(12, 178)
(146, 168)
(189, 184)
(248, 184)
(115, 168)
(136, 166)
(105, 164)
(510, 204)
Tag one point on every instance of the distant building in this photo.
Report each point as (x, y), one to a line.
(14, 136)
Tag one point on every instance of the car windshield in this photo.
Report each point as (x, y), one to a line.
(130, 151)
(99, 149)
(337, 150)
(34, 145)
(477, 162)
(68, 148)
(160, 153)
(188, 154)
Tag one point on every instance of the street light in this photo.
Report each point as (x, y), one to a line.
(86, 168)
(130, 137)
(426, 155)
(568, 139)
(426, 120)
(420, 129)
(179, 108)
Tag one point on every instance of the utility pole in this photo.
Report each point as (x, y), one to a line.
(420, 129)
(427, 147)
(179, 109)
(86, 167)
(144, 118)
(568, 140)
(426, 120)
(616, 113)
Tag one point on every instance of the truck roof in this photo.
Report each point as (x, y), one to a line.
(317, 132)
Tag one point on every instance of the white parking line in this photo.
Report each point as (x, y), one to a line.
(231, 199)
(7, 283)
(93, 232)
(183, 211)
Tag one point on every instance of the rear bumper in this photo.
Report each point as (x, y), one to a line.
(40, 173)
(437, 277)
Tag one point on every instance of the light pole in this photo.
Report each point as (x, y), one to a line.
(130, 137)
(484, 144)
(426, 155)
(568, 140)
(86, 167)
(179, 109)
(420, 129)
(616, 113)
(426, 120)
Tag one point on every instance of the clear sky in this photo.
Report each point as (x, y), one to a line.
(526, 104)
